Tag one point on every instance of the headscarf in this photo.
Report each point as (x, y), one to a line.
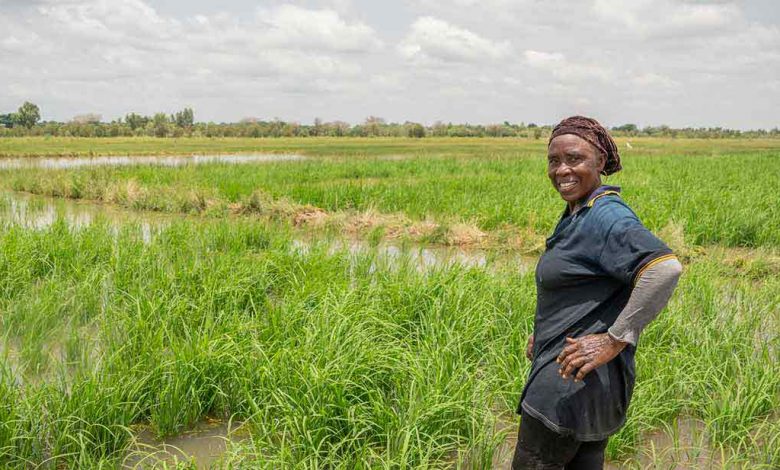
(590, 130)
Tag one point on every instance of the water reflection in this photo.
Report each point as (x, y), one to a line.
(203, 446)
(78, 162)
(37, 212)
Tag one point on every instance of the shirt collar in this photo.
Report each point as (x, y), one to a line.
(602, 190)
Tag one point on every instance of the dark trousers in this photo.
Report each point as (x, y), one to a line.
(539, 448)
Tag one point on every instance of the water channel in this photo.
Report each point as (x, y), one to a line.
(127, 160)
(38, 212)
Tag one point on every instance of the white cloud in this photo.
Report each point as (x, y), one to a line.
(13, 44)
(668, 17)
(433, 38)
(109, 21)
(655, 80)
(296, 26)
(543, 59)
(93, 40)
(295, 63)
(565, 70)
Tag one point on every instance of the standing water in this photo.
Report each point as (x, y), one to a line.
(38, 212)
(78, 162)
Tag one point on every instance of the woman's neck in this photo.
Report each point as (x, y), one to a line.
(574, 206)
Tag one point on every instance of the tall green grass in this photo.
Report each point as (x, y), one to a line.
(331, 360)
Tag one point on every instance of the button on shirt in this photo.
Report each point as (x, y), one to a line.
(583, 282)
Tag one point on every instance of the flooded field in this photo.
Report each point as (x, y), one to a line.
(37, 212)
(141, 334)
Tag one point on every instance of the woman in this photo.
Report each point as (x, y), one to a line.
(602, 278)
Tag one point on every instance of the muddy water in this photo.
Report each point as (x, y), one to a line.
(203, 445)
(37, 212)
(422, 257)
(78, 162)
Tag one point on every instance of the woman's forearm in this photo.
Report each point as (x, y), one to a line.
(649, 296)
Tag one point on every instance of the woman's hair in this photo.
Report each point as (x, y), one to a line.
(590, 130)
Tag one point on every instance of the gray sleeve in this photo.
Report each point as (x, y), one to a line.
(649, 296)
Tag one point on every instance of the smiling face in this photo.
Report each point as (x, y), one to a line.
(574, 167)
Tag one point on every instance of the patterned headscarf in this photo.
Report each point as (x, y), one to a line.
(590, 130)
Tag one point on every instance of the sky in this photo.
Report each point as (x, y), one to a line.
(649, 62)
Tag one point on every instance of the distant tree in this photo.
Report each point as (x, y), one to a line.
(275, 127)
(317, 128)
(439, 129)
(89, 118)
(184, 118)
(415, 130)
(7, 120)
(290, 129)
(178, 124)
(373, 125)
(494, 130)
(159, 125)
(255, 131)
(459, 130)
(626, 128)
(337, 128)
(27, 115)
(136, 121)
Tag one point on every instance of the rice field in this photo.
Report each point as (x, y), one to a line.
(118, 327)
(713, 192)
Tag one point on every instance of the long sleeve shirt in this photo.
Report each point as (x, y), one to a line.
(596, 274)
(648, 297)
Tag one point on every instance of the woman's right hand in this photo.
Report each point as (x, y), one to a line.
(529, 349)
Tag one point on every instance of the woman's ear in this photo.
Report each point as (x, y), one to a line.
(603, 164)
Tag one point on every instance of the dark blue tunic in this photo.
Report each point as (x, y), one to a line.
(583, 281)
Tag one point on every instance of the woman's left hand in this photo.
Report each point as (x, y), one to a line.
(587, 353)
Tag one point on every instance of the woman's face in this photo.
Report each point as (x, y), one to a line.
(574, 167)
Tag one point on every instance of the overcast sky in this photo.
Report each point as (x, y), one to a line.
(675, 62)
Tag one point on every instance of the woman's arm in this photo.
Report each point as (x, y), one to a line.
(649, 296)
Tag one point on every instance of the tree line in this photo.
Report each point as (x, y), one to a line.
(26, 121)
